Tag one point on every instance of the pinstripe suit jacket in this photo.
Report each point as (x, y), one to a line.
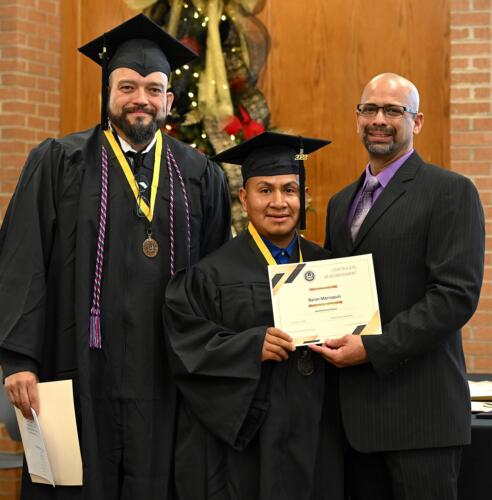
(426, 235)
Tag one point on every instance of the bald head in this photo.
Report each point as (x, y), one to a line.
(385, 134)
(396, 85)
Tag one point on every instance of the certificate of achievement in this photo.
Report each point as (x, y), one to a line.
(314, 301)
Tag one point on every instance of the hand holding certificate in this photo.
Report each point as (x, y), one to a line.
(315, 301)
(50, 440)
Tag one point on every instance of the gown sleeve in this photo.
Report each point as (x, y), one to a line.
(25, 247)
(216, 203)
(12, 362)
(218, 371)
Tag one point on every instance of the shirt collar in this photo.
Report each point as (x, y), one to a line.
(276, 251)
(127, 148)
(385, 176)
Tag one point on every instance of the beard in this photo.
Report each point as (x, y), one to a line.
(378, 149)
(138, 132)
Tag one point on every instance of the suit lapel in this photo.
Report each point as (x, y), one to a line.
(395, 188)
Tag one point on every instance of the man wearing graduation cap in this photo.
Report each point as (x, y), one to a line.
(259, 419)
(99, 222)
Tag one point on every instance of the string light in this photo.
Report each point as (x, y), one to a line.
(233, 137)
(168, 127)
(186, 67)
(194, 104)
(193, 145)
(196, 75)
(204, 135)
(223, 17)
(185, 5)
(178, 72)
(196, 15)
(191, 94)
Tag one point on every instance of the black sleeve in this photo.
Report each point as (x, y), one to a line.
(13, 362)
(218, 371)
(216, 203)
(26, 241)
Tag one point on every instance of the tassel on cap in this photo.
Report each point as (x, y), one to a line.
(104, 87)
(302, 184)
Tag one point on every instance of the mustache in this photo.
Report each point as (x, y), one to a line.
(380, 128)
(141, 109)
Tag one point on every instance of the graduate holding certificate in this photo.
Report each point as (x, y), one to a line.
(259, 418)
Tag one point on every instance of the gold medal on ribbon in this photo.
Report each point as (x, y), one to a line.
(150, 247)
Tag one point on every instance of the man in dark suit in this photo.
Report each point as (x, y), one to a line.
(404, 394)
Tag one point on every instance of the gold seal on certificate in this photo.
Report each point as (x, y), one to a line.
(314, 301)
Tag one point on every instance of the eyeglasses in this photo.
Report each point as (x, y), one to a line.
(389, 110)
(142, 184)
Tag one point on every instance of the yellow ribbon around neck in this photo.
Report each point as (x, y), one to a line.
(120, 156)
(264, 249)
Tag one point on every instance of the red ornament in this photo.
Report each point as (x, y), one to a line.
(233, 125)
(191, 43)
(251, 128)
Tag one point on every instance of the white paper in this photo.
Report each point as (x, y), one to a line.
(480, 406)
(35, 449)
(314, 301)
(480, 391)
(56, 420)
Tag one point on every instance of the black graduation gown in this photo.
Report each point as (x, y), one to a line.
(124, 392)
(247, 430)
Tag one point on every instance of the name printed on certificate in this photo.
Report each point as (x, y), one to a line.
(314, 301)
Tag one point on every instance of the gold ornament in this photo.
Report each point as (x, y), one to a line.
(214, 95)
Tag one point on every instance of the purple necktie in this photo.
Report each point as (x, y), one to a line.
(363, 206)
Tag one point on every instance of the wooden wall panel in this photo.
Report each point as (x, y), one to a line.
(83, 20)
(323, 52)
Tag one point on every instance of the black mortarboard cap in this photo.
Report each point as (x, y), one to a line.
(272, 153)
(138, 44)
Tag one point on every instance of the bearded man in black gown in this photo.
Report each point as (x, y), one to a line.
(99, 222)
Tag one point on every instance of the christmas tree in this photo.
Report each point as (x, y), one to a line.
(217, 102)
